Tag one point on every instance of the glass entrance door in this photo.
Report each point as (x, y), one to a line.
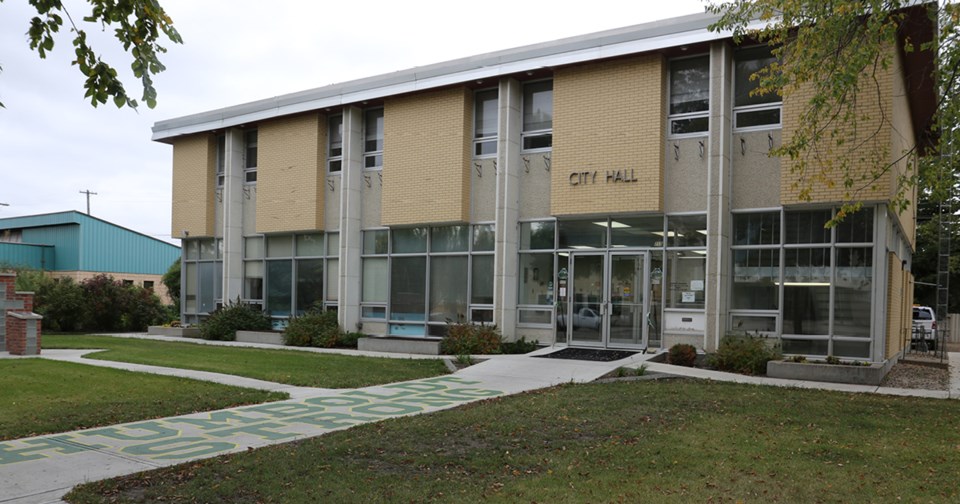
(587, 299)
(607, 303)
(626, 300)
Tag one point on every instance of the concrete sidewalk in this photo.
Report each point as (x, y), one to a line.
(43, 468)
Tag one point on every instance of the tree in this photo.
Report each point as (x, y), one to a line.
(832, 55)
(171, 280)
(139, 26)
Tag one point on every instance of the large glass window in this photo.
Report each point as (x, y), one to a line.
(335, 144)
(482, 280)
(448, 288)
(202, 278)
(806, 291)
(637, 232)
(756, 279)
(536, 279)
(309, 283)
(854, 282)
(485, 123)
(687, 230)
(538, 115)
(373, 139)
(408, 288)
(286, 273)
(687, 274)
(751, 109)
(279, 287)
(250, 156)
(689, 95)
(582, 234)
(537, 235)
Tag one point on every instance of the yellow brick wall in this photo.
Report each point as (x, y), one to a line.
(608, 118)
(869, 139)
(899, 306)
(194, 162)
(426, 154)
(290, 173)
(902, 139)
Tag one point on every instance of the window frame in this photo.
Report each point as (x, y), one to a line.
(776, 104)
(478, 138)
(376, 153)
(250, 171)
(334, 158)
(683, 116)
(535, 133)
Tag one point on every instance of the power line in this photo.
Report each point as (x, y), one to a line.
(88, 193)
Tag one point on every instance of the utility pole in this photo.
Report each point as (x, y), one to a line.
(88, 193)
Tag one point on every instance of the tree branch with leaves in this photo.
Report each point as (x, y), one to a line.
(138, 25)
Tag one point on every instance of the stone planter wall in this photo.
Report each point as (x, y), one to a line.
(183, 332)
(400, 345)
(835, 373)
(265, 337)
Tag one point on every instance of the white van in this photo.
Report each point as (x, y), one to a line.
(924, 316)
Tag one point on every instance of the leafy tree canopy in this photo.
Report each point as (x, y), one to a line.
(139, 26)
(833, 55)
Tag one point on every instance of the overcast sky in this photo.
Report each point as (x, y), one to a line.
(53, 144)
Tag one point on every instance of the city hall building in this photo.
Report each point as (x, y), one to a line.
(610, 190)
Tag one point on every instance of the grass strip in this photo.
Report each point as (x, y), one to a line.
(669, 441)
(291, 367)
(41, 397)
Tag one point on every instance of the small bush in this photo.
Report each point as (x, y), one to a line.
(314, 328)
(520, 346)
(682, 354)
(467, 339)
(744, 354)
(349, 340)
(224, 323)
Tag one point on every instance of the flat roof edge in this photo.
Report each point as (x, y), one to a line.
(647, 37)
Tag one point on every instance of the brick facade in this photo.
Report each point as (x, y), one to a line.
(291, 174)
(21, 327)
(194, 165)
(426, 145)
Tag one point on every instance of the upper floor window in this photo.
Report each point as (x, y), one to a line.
(221, 154)
(250, 156)
(538, 115)
(750, 109)
(485, 123)
(373, 139)
(335, 144)
(689, 95)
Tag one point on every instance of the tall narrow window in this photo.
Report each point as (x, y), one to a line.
(373, 139)
(689, 95)
(250, 156)
(335, 144)
(485, 123)
(751, 109)
(221, 155)
(538, 115)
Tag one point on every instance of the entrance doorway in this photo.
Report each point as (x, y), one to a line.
(610, 299)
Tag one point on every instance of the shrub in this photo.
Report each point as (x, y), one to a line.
(520, 346)
(224, 323)
(349, 340)
(467, 339)
(62, 304)
(313, 328)
(142, 309)
(744, 354)
(682, 354)
(106, 301)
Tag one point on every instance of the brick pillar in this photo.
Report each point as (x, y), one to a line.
(20, 327)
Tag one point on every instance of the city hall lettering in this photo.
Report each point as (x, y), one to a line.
(613, 176)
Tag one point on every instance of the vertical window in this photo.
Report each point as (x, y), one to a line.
(250, 156)
(373, 139)
(221, 155)
(335, 144)
(373, 301)
(485, 123)
(689, 95)
(536, 274)
(538, 115)
(750, 109)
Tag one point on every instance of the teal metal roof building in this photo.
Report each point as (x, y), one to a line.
(75, 242)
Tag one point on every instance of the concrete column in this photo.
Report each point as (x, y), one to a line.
(351, 192)
(233, 216)
(719, 176)
(508, 208)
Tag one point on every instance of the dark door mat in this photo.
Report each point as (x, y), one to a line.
(588, 354)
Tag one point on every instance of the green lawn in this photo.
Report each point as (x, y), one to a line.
(41, 397)
(281, 366)
(669, 441)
